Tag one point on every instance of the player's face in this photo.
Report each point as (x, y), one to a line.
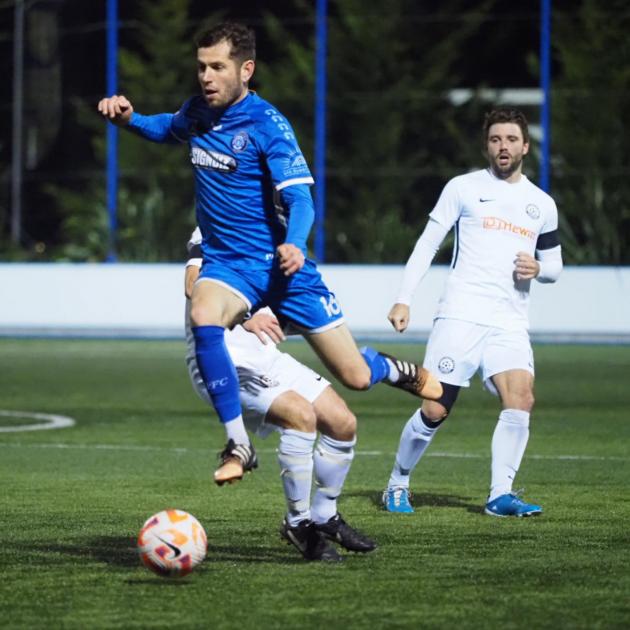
(506, 149)
(223, 80)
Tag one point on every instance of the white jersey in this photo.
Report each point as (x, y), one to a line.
(493, 221)
(247, 351)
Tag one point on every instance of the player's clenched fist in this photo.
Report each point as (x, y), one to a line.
(117, 109)
(399, 317)
(526, 266)
(291, 258)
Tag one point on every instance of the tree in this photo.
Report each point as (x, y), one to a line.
(591, 132)
(155, 203)
(391, 130)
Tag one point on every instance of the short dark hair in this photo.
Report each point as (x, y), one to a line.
(505, 115)
(241, 38)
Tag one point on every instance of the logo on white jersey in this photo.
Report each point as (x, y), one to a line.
(495, 223)
(212, 160)
(532, 211)
(446, 365)
(239, 141)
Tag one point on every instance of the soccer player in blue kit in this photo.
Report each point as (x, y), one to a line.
(255, 211)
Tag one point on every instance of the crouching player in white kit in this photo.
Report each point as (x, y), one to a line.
(279, 393)
(505, 236)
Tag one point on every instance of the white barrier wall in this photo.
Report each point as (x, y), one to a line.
(588, 303)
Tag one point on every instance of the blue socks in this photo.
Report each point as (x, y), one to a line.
(218, 371)
(378, 364)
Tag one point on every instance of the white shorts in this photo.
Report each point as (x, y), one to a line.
(457, 349)
(258, 390)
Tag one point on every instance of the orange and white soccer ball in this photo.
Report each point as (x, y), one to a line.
(172, 543)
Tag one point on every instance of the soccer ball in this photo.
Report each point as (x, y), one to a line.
(172, 543)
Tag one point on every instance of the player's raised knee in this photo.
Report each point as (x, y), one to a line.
(434, 411)
(345, 424)
(199, 315)
(528, 401)
(356, 377)
(302, 418)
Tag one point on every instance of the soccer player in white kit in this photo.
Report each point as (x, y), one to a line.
(506, 235)
(278, 393)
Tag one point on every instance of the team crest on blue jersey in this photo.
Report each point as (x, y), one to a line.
(533, 212)
(239, 141)
(212, 160)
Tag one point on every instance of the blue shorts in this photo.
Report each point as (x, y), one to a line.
(301, 300)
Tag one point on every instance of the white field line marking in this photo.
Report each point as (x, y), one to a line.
(51, 421)
(136, 447)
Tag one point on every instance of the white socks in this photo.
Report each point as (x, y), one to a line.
(414, 440)
(393, 374)
(295, 456)
(235, 430)
(332, 462)
(508, 445)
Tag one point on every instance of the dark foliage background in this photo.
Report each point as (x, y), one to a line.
(395, 132)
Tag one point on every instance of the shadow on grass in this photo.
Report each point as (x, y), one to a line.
(120, 551)
(115, 550)
(423, 499)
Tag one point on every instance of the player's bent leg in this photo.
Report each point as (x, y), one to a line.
(295, 456)
(415, 438)
(296, 417)
(339, 353)
(333, 416)
(213, 307)
(333, 457)
(515, 388)
(289, 410)
(400, 373)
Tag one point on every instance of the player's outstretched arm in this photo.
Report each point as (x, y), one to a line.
(117, 109)
(157, 128)
(399, 317)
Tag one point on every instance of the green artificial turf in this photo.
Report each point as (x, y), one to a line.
(72, 501)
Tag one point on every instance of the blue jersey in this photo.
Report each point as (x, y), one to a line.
(242, 159)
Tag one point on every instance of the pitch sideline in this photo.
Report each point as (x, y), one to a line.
(135, 447)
